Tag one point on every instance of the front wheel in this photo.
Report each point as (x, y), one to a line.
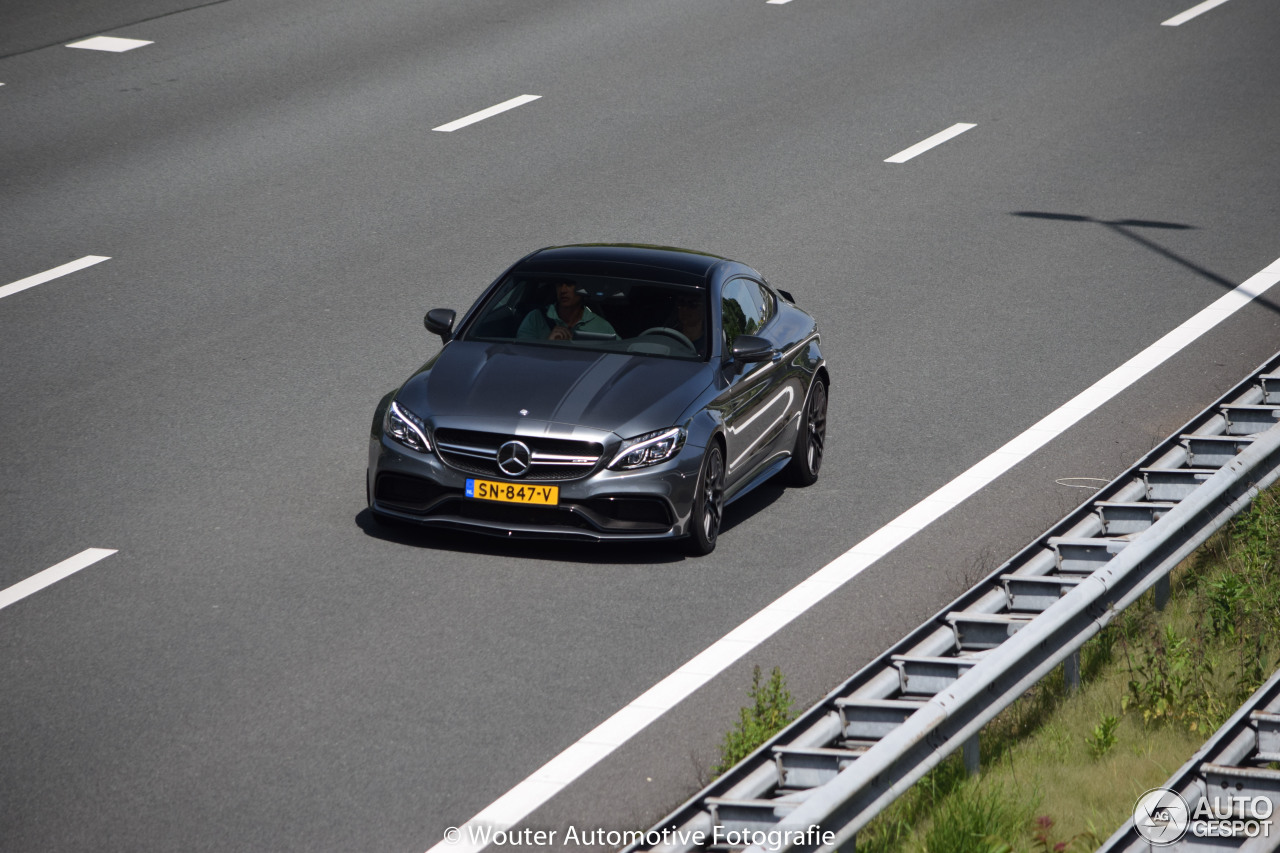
(708, 503)
(806, 457)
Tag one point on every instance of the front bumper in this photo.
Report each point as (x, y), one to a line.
(645, 504)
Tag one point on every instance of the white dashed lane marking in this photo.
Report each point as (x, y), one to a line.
(52, 575)
(1193, 12)
(489, 113)
(50, 275)
(932, 142)
(111, 44)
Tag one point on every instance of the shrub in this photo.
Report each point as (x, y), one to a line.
(768, 714)
(1103, 737)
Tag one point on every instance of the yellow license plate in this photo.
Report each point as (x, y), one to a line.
(513, 493)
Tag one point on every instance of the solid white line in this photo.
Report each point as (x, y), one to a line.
(1192, 12)
(932, 142)
(489, 113)
(111, 44)
(511, 808)
(52, 575)
(777, 2)
(50, 275)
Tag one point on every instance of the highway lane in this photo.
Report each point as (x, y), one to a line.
(254, 669)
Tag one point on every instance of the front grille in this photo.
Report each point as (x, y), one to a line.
(485, 468)
(475, 452)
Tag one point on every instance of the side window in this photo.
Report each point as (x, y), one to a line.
(739, 310)
(764, 302)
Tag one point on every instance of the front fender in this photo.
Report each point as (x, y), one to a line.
(703, 427)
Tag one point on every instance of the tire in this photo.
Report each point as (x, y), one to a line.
(811, 441)
(708, 504)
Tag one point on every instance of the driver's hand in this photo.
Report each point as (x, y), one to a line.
(560, 333)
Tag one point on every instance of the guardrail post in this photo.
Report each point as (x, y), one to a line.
(1071, 671)
(972, 755)
(1162, 592)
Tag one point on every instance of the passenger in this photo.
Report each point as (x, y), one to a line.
(559, 320)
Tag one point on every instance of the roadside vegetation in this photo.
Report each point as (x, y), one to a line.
(769, 712)
(1061, 771)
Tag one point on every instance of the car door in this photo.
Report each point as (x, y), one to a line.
(756, 401)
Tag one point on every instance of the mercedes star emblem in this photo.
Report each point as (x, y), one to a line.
(514, 458)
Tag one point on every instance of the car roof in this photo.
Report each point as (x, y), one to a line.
(625, 259)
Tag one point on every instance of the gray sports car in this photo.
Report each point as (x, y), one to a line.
(604, 392)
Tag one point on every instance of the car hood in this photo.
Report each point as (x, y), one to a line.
(527, 389)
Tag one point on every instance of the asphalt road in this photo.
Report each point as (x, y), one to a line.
(260, 668)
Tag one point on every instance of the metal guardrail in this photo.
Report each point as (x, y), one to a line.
(817, 783)
(1226, 773)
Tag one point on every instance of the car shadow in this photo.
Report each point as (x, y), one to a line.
(563, 551)
(759, 498)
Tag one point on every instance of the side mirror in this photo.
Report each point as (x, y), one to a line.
(439, 321)
(749, 348)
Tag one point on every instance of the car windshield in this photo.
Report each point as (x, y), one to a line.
(595, 312)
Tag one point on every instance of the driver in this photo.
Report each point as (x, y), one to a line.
(562, 318)
(690, 319)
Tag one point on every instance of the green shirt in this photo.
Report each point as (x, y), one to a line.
(538, 324)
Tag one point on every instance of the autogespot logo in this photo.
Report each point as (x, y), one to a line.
(1161, 816)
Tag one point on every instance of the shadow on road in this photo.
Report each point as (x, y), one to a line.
(1125, 228)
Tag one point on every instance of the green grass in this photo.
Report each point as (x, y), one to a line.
(1061, 771)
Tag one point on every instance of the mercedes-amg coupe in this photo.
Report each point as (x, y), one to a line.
(604, 392)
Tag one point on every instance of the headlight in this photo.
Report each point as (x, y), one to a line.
(649, 449)
(407, 428)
